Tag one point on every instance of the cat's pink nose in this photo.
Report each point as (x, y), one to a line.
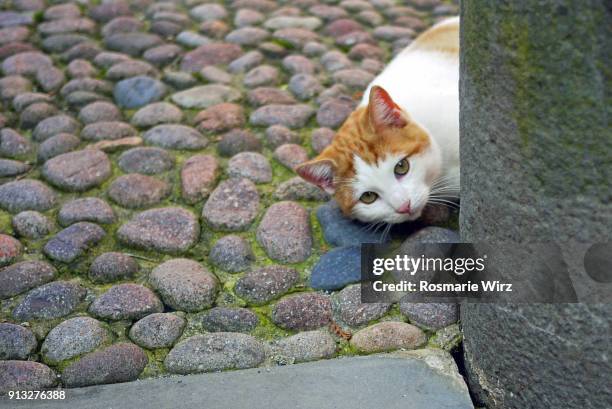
(405, 208)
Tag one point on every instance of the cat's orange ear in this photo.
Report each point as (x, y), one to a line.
(383, 112)
(319, 172)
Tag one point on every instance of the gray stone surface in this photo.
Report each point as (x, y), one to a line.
(157, 330)
(284, 232)
(121, 362)
(232, 206)
(16, 342)
(24, 376)
(169, 230)
(32, 224)
(305, 311)
(223, 319)
(214, 352)
(112, 266)
(72, 338)
(303, 347)
(231, 253)
(73, 241)
(26, 194)
(550, 196)
(126, 302)
(263, 284)
(52, 300)
(386, 381)
(77, 171)
(22, 276)
(86, 209)
(184, 284)
(388, 336)
(431, 316)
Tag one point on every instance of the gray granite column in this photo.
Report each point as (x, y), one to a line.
(536, 154)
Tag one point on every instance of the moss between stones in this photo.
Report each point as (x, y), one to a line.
(77, 271)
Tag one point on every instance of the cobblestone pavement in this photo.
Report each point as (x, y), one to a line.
(150, 220)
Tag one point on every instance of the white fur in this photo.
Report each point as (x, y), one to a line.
(425, 84)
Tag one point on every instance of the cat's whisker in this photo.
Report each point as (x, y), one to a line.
(383, 237)
(444, 202)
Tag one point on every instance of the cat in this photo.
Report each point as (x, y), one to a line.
(399, 150)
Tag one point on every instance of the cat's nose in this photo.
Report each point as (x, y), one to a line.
(405, 208)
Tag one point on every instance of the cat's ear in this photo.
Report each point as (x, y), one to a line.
(319, 172)
(383, 112)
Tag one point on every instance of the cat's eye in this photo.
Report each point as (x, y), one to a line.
(368, 197)
(402, 167)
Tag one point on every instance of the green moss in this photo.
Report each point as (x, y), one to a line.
(6, 225)
(283, 43)
(266, 330)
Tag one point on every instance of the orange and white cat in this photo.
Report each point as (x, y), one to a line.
(399, 150)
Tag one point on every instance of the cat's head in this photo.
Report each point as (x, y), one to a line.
(381, 164)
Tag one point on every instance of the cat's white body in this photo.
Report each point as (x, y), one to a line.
(425, 83)
(399, 151)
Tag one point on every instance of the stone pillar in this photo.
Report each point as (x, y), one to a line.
(536, 157)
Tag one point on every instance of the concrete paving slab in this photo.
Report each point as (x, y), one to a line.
(425, 379)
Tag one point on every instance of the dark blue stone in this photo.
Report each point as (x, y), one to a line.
(138, 91)
(339, 230)
(337, 268)
(434, 234)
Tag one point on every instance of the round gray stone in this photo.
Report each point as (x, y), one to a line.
(25, 375)
(215, 352)
(23, 276)
(303, 347)
(221, 319)
(184, 284)
(291, 116)
(77, 171)
(26, 194)
(56, 145)
(231, 253)
(236, 141)
(136, 190)
(432, 316)
(138, 91)
(232, 206)
(168, 230)
(73, 241)
(73, 337)
(122, 362)
(16, 342)
(157, 330)
(157, 113)
(284, 232)
(126, 302)
(205, 96)
(113, 266)
(86, 209)
(266, 283)
(146, 160)
(31, 224)
(172, 136)
(306, 311)
(53, 300)
(349, 309)
(387, 336)
(250, 165)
